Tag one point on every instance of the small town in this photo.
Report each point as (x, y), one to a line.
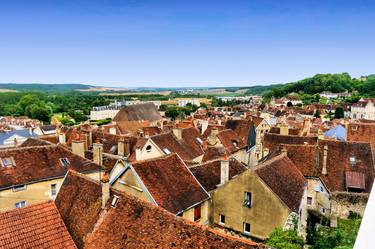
(218, 140)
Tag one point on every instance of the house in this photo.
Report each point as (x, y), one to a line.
(252, 202)
(343, 170)
(30, 175)
(98, 217)
(15, 137)
(36, 226)
(45, 130)
(363, 109)
(261, 127)
(134, 117)
(167, 183)
(166, 143)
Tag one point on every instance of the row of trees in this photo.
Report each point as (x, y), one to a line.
(336, 83)
(42, 106)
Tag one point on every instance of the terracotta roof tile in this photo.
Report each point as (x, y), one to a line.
(170, 183)
(230, 140)
(39, 163)
(284, 179)
(35, 226)
(208, 174)
(138, 112)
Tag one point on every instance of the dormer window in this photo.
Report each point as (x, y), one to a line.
(7, 162)
(148, 148)
(166, 151)
(64, 162)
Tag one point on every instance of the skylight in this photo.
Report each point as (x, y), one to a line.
(199, 140)
(7, 162)
(166, 151)
(64, 162)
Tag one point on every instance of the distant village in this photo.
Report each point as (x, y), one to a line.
(222, 177)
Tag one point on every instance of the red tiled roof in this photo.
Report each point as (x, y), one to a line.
(284, 179)
(229, 138)
(35, 226)
(212, 153)
(241, 127)
(79, 203)
(272, 141)
(190, 135)
(34, 142)
(169, 141)
(132, 223)
(39, 163)
(170, 183)
(208, 174)
(138, 112)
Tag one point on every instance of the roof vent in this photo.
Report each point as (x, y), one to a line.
(64, 162)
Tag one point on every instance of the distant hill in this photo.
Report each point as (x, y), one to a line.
(42, 87)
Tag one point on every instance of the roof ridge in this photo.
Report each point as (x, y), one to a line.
(271, 160)
(155, 158)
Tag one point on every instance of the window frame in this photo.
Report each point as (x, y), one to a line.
(244, 228)
(148, 148)
(248, 202)
(19, 204)
(220, 219)
(19, 188)
(53, 190)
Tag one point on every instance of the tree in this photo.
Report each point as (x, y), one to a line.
(285, 239)
(28, 100)
(40, 112)
(339, 113)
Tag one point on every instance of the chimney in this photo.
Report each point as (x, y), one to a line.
(138, 153)
(98, 153)
(105, 189)
(78, 147)
(62, 138)
(325, 153)
(204, 125)
(212, 139)
(121, 147)
(284, 129)
(177, 132)
(127, 147)
(224, 170)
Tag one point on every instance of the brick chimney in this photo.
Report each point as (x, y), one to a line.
(224, 170)
(177, 132)
(325, 153)
(97, 149)
(62, 138)
(121, 146)
(105, 189)
(78, 147)
(212, 139)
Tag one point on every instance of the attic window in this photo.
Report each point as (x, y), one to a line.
(235, 143)
(64, 162)
(199, 140)
(7, 162)
(114, 200)
(166, 151)
(148, 148)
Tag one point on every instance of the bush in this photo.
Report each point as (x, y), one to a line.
(285, 239)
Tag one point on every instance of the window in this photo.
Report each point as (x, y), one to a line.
(64, 162)
(323, 210)
(7, 162)
(222, 219)
(19, 188)
(247, 199)
(53, 189)
(354, 127)
(197, 212)
(148, 148)
(352, 160)
(246, 228)
(235, 143)
(309, 200)
(20, 204)
(166, 151)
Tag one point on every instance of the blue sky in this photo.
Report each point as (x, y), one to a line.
(185, 42)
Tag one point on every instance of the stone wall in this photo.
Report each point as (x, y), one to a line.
(342, 203)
